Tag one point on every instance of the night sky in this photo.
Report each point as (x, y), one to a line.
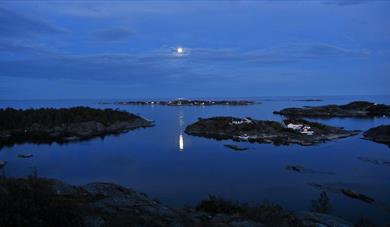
(228, 49)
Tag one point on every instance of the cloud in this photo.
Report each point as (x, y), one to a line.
(14, 24)
(164, 66)
(114, 34)
(278, 54)
(346, 2)
(319, 50)
(20, 47)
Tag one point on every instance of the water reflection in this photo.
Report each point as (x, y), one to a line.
(181, 124)
(181, 142)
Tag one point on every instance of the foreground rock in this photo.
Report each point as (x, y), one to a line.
(48, 125)
(380, 134)
(360, 109)
(188, 102)
(44, 202)
(318, 219)
(266, 131)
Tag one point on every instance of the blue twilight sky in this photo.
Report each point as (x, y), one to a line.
(128, 49)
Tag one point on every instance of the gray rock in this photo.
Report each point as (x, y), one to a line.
(321, 220)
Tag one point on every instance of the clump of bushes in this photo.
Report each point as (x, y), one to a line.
(49, 117)
(265, 213)
(32, 202)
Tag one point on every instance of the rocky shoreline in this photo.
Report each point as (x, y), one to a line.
(64, 125)
(49, 202)
(258, 131)
(358, 109)
(380, 134)
(188, 102)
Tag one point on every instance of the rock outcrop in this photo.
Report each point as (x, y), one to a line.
(44, 202)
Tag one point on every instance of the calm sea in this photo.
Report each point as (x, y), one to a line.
(179, 169)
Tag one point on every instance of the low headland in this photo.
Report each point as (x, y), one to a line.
(47, 125)
(35, 201)
(358, 109)
(291, 131)
(189, 102)
(380, 134)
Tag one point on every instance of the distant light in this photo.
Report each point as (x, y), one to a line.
(179, 50)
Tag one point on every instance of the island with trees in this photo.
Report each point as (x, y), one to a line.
(359, 109)
(189, 102)
(290, 131)
(380, 134)
(46, 125)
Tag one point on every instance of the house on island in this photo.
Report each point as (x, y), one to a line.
(241, 121)
(303, 129)
(294, 126)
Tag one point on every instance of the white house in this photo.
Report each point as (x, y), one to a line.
(303, 129)
(306, 130)
(241, 121)
(294, 126)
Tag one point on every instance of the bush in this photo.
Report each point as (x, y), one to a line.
(32, 202)
(265, 213)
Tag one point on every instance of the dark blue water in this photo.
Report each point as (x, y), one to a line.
(152, 161)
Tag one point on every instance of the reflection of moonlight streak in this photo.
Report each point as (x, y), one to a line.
(181, 123)
(181, 142)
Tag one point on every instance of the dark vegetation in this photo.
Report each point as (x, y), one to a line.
(32, 202)
(358, 109)
(46, 125)
(49, 117)
(380, 134)
(265, 213)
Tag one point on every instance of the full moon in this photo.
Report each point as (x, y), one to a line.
(179, 50)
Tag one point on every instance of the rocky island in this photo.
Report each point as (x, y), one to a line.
(360, 109)
(37, 201)
(291, 131)
(189, 102)
(380, 134)
(48, 125)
